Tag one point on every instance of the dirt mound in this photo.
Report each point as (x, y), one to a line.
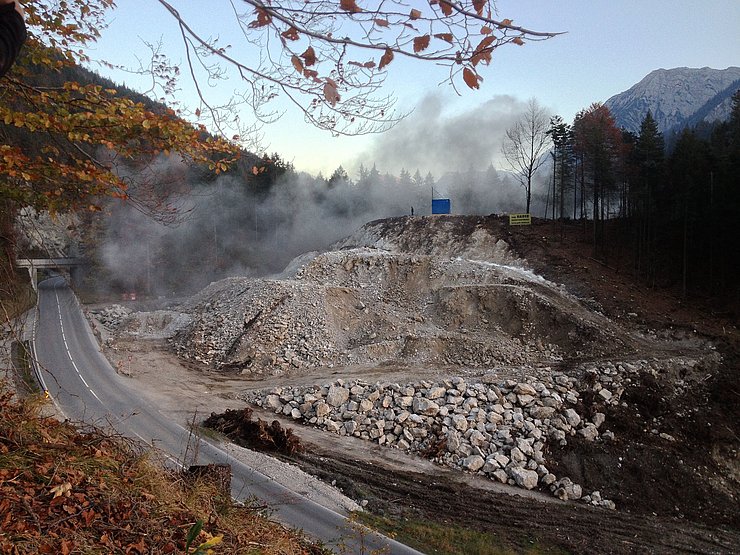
(407, 291)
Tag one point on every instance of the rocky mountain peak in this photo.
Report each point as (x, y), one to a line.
(677, 97)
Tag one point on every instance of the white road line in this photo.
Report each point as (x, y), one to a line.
(69, 354)
(79, 374)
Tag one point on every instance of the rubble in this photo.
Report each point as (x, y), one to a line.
(380, 298)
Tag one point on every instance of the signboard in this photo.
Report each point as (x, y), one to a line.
(440, 206)
(520, 219)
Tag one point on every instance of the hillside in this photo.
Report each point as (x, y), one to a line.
(677, 98)
(484, 359)
(65, 491)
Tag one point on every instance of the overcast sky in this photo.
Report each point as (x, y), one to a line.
(608, 46)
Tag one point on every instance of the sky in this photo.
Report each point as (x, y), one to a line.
(606, 48)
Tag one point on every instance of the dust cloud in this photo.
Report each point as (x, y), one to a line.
(229, 228)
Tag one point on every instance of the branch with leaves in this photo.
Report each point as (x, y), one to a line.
(330, 58)
(64, 141)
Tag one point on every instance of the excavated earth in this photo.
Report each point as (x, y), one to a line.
(454, 369)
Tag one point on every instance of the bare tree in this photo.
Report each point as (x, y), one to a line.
(527, 143)
(330, 57)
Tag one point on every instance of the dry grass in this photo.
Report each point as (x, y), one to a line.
(451, 539)
(63, 491)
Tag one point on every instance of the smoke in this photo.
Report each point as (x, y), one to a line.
(431, 139)
(228, 227)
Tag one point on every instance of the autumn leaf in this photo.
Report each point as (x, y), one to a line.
(309, 56)
(445, 7)
(505, 23)
(471, 78)
(518, 40)
(415, 14)
(381, 22)
(61, 489)
(421, 43)
(297, 64)
(386, 58)
(447, 37)
(263, 18)
(482, 52)
(290, 34)
(330, 92)
(478, 6)
(312, 74)
(486, 30)
(349, 6)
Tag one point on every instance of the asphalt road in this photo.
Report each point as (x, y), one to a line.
(86, 388)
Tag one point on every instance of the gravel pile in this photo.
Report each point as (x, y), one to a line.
(112, 316)
(370, 302)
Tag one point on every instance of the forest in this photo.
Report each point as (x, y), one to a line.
(673, 211)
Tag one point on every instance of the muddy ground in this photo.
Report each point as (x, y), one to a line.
(671, 496)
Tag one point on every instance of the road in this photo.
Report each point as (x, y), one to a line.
(85, 387)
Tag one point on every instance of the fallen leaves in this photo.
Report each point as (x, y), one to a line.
(63, 492)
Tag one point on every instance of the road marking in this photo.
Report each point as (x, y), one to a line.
(69, 354)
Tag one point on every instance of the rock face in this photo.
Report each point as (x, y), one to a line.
(677, 98)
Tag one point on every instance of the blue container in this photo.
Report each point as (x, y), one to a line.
(440, 206)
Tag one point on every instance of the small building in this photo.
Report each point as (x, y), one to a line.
(441, 206)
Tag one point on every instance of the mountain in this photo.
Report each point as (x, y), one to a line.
(677, 98)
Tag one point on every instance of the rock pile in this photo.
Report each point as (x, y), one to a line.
(158, 324)
(500, 430)
(370, 306)
(112, 316)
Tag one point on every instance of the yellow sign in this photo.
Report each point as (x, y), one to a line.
(520, 219)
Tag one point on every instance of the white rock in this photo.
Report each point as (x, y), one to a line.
(524, 478)
(473, 463)
(436, 393)
(425, 406)
(589, 433)
(598, 419)
(273, 402)
(459, 422)
(572, 417)
(337, 395)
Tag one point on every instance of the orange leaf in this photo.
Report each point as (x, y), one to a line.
(421, 43)
(445, 7)
(313, 74)
(290, 34)
(478, 5)
(471, 78)
(485, 30)
(444, 36)
(263, 18)
(415, 14)
(349, 6)
(505, 23)
(297, 64)
(309, 56)
(483, 51)
(386, 58)
(518, 40)
(381, 22)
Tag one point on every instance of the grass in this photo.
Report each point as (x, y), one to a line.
(450, 539)
(21, 357)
